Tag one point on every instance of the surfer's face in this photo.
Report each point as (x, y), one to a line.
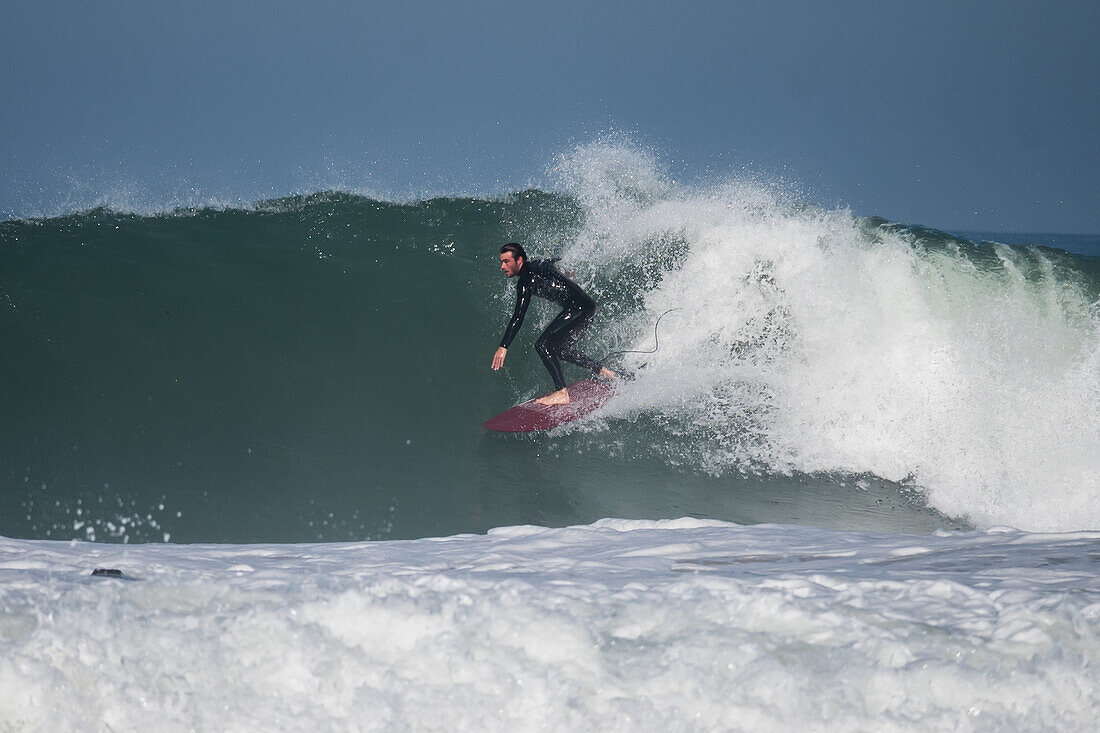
(509, 265)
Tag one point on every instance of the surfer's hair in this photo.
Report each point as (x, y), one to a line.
(516, 249)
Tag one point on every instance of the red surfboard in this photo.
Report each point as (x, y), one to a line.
(585, 396)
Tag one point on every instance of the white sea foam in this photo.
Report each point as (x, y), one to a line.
(806, 340)
(621, 625)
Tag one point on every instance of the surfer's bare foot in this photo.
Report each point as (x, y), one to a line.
(607, 373)
(561, 397)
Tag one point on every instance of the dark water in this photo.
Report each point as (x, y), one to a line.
(317, 368)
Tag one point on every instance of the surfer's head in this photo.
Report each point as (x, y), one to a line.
(512, 259)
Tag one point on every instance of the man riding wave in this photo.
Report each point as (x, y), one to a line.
(542, 278)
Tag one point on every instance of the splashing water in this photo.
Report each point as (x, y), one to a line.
(811, 340)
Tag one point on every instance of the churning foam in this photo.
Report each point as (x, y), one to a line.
(810, 340)
(676, 625)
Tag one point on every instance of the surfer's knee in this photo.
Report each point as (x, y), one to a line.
(543, 346)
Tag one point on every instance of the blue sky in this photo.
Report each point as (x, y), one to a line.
(956, 115)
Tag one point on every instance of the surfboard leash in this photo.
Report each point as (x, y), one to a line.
(656, 342)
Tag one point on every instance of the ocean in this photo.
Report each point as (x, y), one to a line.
(852, 486)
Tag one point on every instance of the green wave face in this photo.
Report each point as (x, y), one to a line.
(298, 371)
(317, 368)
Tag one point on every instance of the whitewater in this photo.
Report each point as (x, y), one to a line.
(677, 625)
(854, 488)
(809, 340)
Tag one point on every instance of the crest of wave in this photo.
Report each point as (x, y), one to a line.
(810, 340)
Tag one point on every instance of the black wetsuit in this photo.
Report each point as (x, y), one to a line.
(541, 278)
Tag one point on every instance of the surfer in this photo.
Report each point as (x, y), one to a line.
(542, 278)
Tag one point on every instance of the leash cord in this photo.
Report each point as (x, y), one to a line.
(656, 342)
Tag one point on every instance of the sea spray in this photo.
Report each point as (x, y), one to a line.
(810, 340)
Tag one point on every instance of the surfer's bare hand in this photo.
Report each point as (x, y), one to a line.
(498, 358)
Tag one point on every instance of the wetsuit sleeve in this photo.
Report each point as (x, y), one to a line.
(523, 299)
